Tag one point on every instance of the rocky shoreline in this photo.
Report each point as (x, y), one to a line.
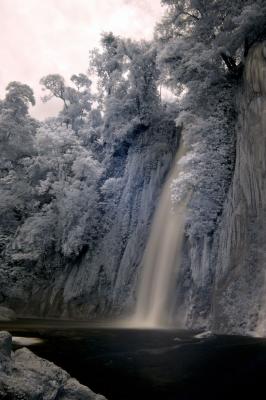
(25, 376)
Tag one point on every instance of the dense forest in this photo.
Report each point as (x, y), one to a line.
(78, 191)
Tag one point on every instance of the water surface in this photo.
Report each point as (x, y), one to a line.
(150, 364)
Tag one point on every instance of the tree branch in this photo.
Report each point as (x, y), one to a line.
(191, 15)
(230, 63)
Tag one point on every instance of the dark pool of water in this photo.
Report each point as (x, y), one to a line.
(143, 364)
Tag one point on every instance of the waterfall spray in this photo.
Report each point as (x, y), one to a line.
(161, 258)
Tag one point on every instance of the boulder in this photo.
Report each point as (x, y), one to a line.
(25, 376)
(6, 314)
(73, 390)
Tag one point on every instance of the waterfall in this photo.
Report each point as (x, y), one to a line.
(161, 259)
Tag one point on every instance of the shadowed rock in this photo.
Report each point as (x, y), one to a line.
(6, 314)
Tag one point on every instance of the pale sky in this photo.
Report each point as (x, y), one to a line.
(39, 37)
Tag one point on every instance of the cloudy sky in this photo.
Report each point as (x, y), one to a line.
(39, 37)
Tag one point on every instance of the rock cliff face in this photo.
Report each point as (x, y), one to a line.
(239, 295)
(222, 280)
(102, 282)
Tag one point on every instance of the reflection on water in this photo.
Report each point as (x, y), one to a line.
(150, 364)
(25, 341)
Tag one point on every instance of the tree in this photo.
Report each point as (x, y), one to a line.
(128, 84)
(202, 46)
(18, 98)
(81, 81)
(77, 101)
(66, 176)
(55, 83)
(15, 123)
(17, 130)
(214, 30)
(108, 64)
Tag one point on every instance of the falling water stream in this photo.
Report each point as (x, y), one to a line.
(161, 259)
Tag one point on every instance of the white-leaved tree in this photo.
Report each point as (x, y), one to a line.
(77, 100)
(17, 130)
(128, 85)
(202, 46)
(66, 175)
